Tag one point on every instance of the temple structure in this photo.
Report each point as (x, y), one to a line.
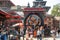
(6, 5)
(39, 6)
(6, 14)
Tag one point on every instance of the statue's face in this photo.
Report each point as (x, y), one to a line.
(33, 20)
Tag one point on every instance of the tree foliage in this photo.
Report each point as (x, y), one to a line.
(56, 10)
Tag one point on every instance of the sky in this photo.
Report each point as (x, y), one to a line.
(25, 2)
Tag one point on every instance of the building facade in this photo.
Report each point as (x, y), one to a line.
(5, 6)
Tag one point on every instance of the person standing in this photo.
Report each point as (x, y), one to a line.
(40, 33)
(0, 33)
(7, 32)
(27, 34)
(47, 30)
(14, 33)
(30, 30)
(22, 31)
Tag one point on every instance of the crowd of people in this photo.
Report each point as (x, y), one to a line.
(16, 33)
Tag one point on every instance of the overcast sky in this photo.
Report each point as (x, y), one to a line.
(25, 2)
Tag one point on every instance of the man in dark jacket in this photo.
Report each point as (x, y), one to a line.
(46, 30)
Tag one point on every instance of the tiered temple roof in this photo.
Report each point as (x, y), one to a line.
(41, 4)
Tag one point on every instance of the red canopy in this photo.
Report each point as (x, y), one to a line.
(6, 15)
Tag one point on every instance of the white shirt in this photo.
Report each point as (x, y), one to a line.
(38, 32)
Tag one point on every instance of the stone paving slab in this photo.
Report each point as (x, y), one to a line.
(36, 38)
(57, 38)
(50, 38)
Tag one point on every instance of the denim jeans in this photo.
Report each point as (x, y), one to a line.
(0, 36)
(40, 38)
(4, 37)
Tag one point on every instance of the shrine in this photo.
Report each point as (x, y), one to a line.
(38, 9)
(35, 15)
